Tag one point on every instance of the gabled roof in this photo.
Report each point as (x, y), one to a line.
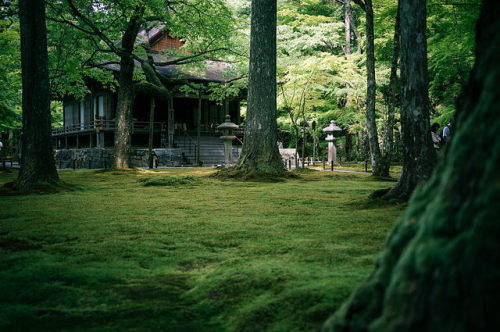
(210, 71)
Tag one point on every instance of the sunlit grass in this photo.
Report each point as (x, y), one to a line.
(188, 253)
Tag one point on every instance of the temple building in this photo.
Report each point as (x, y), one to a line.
(179, 125)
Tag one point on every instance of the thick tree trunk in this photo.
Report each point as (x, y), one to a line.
(124, 121)
(419, 156)
(260, 150)
(126, 95)
(439, 270)
(37, 159)
(371, 93)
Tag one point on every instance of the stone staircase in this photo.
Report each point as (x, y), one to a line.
(211, 149)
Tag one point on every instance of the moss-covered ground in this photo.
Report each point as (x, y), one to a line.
(178, 250)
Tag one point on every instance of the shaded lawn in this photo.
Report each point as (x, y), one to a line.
(177, 250)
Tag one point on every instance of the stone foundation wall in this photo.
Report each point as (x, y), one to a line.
(103, 158)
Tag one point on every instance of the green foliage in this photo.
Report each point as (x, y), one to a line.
(115, 254)
(204, 26)
(451, 45)
(10, 75)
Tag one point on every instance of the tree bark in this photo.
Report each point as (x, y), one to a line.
(348, 145)
(419, 155)
(347, 26)
(439, 269)
(385, 162)
(370, 94)
(260, 150)
(37, 159)
(126, 95)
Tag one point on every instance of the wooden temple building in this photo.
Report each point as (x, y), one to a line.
(179, 125)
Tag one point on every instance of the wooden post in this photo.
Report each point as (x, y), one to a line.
(226, 107)
(366, 166)
(324, 163)
(289, 163)
(238, 115)
(151, 130)
(198, 128)
(170, 124)
(332, 165)
(205, 114)
(90, 164)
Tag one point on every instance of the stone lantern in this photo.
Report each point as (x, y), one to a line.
(332, 151)
(227, 128)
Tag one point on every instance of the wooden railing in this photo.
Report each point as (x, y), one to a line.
(99, 124)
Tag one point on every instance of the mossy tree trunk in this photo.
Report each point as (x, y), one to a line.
(419, 156)
(126, 94)
(260, 150)
(439, 270)
(37, 159)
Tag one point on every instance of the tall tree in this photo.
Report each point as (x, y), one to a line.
(439, 270)
(260, 150)
(37, 160)
(379, 168)
(419, 155)
(391, 99)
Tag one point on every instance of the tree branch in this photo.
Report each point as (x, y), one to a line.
(95, 29)
(361, 4)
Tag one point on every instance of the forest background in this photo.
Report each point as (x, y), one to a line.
(321, 68)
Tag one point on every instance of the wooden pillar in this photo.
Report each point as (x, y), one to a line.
(170, 124)
(77, 141)
(151, 131)
(238, 114)
(66, 142)
(91, 139)
(226, 107)
(92, 109)
(205, 114)
(10, 143)
(198, 125)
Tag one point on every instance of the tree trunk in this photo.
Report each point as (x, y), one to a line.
(419, 156)
(37, 159)
(370, 94)
(126, 95)
(348, 145)
(439, 270)
(260, 150)
(347, 26)
(385, 162)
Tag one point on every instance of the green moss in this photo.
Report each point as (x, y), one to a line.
(169, 181)
(194, 253)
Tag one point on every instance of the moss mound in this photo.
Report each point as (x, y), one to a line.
(42, 188)
(169, 181)
(250, 175)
